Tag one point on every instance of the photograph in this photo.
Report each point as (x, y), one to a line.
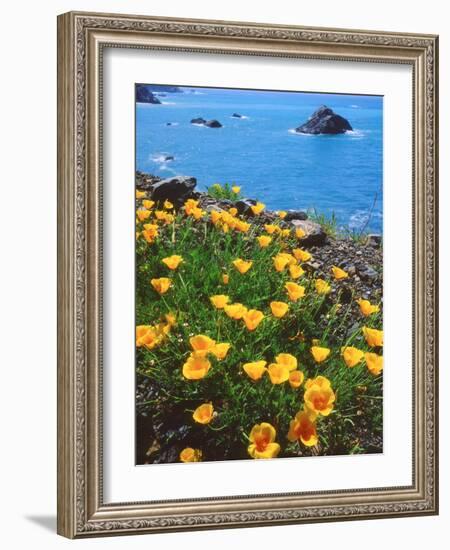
(258, 274)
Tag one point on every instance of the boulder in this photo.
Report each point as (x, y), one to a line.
(314, 233)
(244, 206)
(324, 121)
(144, 95)
(198, 120)
(295, 215)
(176, 189)
(236, 115)
(374, 240)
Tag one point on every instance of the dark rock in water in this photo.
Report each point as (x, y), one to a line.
(213, 124)
(168, 124)
(324, 121)
(209, 123)
(236, 115)
(167, 158)
(295, 215)
(314, 233)
(144, 95)
(176, 189)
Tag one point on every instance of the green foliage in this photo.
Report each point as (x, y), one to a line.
(225, 191)
(239, 402)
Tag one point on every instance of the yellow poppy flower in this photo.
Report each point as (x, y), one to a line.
(140, 194)
(220, 350)
(171, 319)
(242, 266)
(319, 353)
(252, 318)
(285, 232)
(236, 189)
(301, 255)
(196, 367)
(148, 336)
(148, 204)
(294, 291)
(257, 208)
(299, 233)
(255, 370)
(242, 226)
(160, 215)
(296, 271)
(278, 373)
(279, 309)
(216, 216)
(319, 396)
(225, 278)
(202, 344)
(190, 455)
(161, 285)
(374, 337)
(352, 356)
(235, 311)
(219, 301)
(282, 214)
(167, 205)
(296, 378)
(281, 260)
(374, 362)
(303, 428)
(270, 228)
(233, 211)
(189, 206)
(142, 214)
(262, 441)
(172, 262)
(287, 360)
(322, 287)
(367, 308)
(197, 213)
(264, 241)
(204, 413)
(339, 273)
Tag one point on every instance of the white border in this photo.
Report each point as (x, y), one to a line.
(125, 482)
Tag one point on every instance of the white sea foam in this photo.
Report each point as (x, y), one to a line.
(354, 106)
(160, 158)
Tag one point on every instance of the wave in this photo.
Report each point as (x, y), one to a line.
(168, 103)
(354, 106)
(161, 158)
(362, 217)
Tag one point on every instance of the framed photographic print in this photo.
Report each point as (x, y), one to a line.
(247, 274)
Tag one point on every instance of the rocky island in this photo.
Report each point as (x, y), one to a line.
(145, 95)
(213, 123)
(324, 121)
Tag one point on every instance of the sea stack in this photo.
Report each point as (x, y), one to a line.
(144, 95)
(324, 121)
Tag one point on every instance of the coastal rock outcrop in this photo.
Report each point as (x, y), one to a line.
(314, 232)
(324, 121)
(144, 95)
(236, 115)
(176, 189)
(213, 123)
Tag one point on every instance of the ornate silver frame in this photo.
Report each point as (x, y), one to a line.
(81, 39)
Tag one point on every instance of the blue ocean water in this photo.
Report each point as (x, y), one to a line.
(340, 174)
